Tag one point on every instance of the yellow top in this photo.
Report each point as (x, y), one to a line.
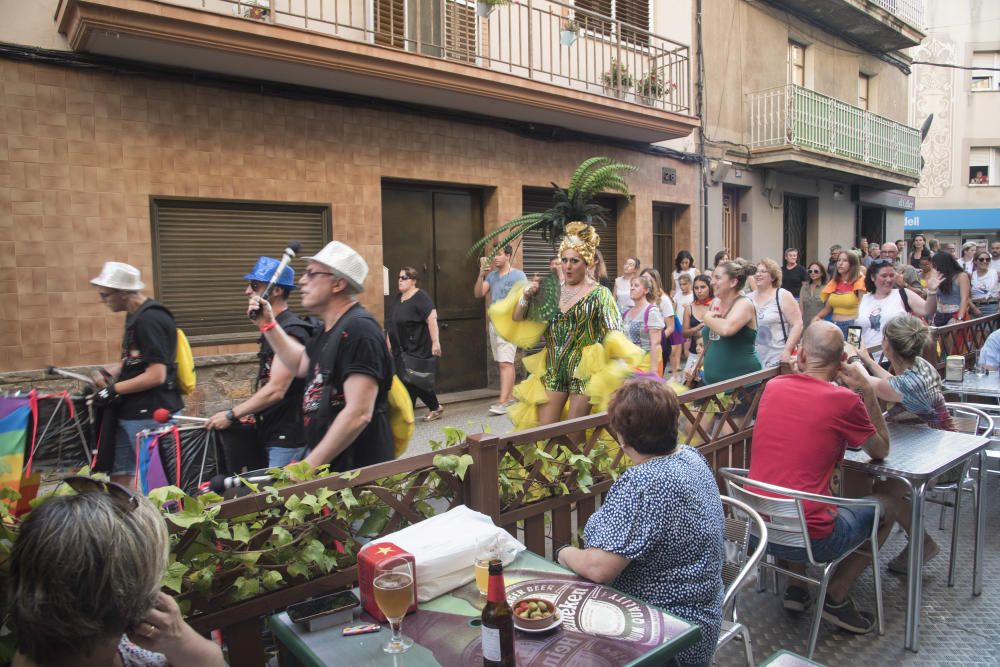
(844, 303)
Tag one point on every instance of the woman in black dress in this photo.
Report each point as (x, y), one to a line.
(413, 328)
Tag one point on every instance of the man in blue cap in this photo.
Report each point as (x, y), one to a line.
(277, 400)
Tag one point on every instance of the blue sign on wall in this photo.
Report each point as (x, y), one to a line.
(953, 218)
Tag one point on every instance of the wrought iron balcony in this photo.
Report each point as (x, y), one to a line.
(796, 118)
(559, 58)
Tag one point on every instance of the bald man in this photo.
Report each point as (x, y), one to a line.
(804, 423)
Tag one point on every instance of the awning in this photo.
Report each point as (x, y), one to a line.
(953, 218)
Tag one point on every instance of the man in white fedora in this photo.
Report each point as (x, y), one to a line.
(145, 379)
(347, 367)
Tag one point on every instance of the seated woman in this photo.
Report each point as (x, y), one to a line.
(916, 385)
(658, 535)
(85, 577)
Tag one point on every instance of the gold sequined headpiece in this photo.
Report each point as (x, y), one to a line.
(582, 238)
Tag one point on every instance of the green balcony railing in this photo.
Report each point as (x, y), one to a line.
(795, 116)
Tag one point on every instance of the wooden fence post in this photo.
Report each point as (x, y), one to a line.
(483, 491)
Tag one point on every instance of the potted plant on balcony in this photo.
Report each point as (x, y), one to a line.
(569, 32)
(617, 80)
(484, 7)
(652, 87)
(259, 10)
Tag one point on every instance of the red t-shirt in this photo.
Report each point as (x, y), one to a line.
(803, 426)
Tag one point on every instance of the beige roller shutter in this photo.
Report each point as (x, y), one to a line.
(203, 248)
(538, 252)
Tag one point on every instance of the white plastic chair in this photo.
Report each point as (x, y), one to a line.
(785, 520)
(741, 522)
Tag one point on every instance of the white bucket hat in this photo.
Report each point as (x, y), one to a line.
(120, 276)
(345, 261)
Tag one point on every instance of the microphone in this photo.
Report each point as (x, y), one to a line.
(286, 258)
(162, 416)
(221, 483)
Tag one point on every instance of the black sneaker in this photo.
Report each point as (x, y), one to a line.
(797, 599)
(846, 615)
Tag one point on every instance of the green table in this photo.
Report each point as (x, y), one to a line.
(600, 625)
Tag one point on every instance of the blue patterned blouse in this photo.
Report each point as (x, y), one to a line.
(665, 516)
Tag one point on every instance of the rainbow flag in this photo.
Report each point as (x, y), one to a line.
(15, 414)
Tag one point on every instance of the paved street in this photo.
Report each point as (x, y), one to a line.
(472, 416)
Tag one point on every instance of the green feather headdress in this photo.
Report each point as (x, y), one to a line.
(574, 204)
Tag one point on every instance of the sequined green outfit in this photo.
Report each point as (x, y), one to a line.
(587, 322)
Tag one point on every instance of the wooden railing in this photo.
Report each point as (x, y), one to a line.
(546, 506)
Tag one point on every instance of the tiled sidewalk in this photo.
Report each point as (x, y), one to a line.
(955, 629)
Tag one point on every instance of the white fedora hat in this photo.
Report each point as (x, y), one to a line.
(120, 276)
(345, 262)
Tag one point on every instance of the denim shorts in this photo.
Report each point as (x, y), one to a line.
(279, 457)
(851, 527)
(843, 326)
(125, 449)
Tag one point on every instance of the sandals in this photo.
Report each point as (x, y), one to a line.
(434, 415)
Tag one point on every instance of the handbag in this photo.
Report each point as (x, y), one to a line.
(418, 371)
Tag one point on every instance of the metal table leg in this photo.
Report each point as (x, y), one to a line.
(914, 577)
(977, 561)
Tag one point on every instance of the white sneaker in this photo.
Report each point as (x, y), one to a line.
(498, 409)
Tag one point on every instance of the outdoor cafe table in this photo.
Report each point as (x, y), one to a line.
(984, 386)
(917, 454)
(599, 626)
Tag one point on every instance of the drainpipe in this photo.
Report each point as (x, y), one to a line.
(700, 113)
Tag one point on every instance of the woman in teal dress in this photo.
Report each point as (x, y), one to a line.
(587, 313)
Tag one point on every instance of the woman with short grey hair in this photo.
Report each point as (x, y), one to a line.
(85, 576)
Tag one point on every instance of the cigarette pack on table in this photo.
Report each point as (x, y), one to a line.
(368, 559)
(954, 368)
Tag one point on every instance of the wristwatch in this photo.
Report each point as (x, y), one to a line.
(231, 416)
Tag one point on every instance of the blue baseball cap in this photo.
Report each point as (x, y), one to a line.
(265, 268)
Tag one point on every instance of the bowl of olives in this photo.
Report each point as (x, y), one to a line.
(535, 614)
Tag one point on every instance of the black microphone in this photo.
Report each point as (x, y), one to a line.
(286, 259)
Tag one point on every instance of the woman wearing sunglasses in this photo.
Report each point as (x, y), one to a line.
(811, 293)
(985, 284)
(414, 337)
(84, 584)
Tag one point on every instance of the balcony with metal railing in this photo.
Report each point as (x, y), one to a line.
(807, 131)
(542, 61)
(881, 25)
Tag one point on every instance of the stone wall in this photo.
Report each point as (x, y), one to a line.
(223, 380)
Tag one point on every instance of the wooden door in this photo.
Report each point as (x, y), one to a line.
(663, 240)
(794, 233)
(432, 229)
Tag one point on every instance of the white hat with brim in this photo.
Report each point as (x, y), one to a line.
(120, 276)
(344, 261)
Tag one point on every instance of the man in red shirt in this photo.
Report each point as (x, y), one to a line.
(804, 423)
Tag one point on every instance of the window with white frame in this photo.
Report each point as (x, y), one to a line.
(796, 63)
(987, 78)
(631, 12)
(984, 165)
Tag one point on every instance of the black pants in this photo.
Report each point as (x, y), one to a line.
(426, 395)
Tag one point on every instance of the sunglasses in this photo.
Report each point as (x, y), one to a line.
(105, 295)
(982, 259)
(123, 498)
(254, 285)
(405, 277)
(816, 271)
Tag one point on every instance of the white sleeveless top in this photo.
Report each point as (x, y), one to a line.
(985, 287)
(874, 314)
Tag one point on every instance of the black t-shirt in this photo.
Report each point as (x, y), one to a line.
(150, 338)
(793, 279)
(280, 425)
(361, 349)
(408, 330)
(915, 262)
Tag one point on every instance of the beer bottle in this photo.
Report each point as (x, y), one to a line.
(498, 622)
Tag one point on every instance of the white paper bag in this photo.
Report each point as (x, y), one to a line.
(444, 548)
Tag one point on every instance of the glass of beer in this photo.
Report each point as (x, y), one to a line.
(394, 595)
(489, 547)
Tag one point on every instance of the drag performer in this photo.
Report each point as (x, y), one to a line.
(145, 379)
(277, 400)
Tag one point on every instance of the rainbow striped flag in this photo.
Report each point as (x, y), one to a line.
(15, 414)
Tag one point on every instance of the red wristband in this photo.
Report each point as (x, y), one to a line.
(268, 327)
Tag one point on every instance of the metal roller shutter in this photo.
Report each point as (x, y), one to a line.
(202, 248)
(538, 252)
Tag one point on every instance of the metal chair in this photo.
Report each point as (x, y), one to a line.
(968, 419)
(785, 520)
(741, 521)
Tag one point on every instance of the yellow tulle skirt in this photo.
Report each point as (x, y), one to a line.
(400, 416)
